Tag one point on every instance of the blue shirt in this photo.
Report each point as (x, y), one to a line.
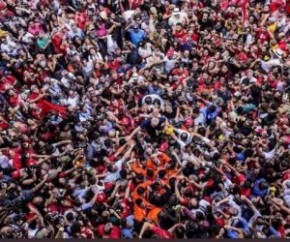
(240, 156)
(137, 37)
(128, 233)
(257, 191)
(232, 234)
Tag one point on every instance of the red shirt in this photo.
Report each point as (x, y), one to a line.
(263, 36)
(179, 34)
(135, 3)
(114, 234)
(81, 20)
(246, 191)
(3, 125)
(126, 209)
(161, 233)
(239, 179)
(56, 42)
(7, 81)
(16, 157)
(194, 38)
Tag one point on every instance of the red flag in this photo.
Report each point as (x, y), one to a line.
(275, 5)
(244, 4)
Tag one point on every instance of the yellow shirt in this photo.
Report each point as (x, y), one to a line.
(3, 33)
(272, 28)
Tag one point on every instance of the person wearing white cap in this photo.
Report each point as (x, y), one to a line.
(177, 16)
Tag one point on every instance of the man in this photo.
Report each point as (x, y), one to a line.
(177, 17)
(136, 34)
(151, 125)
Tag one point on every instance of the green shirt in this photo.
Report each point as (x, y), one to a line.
(43, 41)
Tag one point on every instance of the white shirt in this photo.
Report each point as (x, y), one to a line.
(4, 162)
(169, 64)
(153, 98)
(173, 20)
(67, 79)
(145, 51)
(111, 177)
(269, 155)
(73, 101)
(203, 204)
(128, 14)
(27, 38)
(233, 204)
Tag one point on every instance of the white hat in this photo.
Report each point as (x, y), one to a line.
(103, 15)
(176, 10)
(272, 19)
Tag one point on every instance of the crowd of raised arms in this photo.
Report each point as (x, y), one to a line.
(144, 119)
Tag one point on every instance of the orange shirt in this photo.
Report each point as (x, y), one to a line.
(135, 195)
(139, 213)
(138, 169)
(163, 159)
(153, 214)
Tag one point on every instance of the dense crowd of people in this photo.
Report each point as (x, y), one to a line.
(144, 119)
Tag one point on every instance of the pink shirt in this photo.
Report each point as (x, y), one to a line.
(36, 27)
(102, 31)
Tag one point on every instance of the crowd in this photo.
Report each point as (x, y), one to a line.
(144, 119)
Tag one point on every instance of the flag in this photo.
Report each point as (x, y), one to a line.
(244, 4)
(275, 5)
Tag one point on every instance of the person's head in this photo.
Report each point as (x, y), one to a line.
(139, 203)
(263, 185)
(154, 122)
(233, 211)
(176, 13)
(112, 168)
(184, 136)
(193, 203)
(211, 109)
(140, 191)
(178, 27)
(108, 228)
(37, 200)
(149, 173)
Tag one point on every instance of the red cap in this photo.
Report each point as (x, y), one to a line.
(243, 57)
(15, 174)
(125, 121)
(164, 146)
(101, 198)
(188, 122)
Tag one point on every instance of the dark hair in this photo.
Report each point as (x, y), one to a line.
(138, 201)
(149, 173)
(140, 190)
(211, 108)
(162, 173)
(123, 174)
(70, 216)
(110, 168)
(179, 232)
(240, 110)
